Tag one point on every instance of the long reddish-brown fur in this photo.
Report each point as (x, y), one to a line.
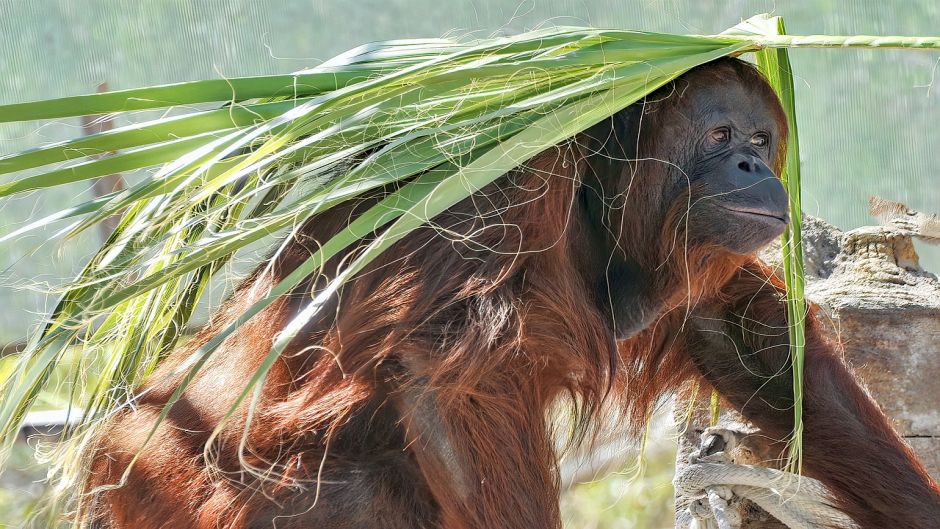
(418, 397)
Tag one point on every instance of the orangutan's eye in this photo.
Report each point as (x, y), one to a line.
(719, 136)
(761, 139)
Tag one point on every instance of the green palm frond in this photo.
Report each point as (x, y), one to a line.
(775, 64)
(245, 160)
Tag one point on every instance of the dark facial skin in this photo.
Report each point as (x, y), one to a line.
(736, 199)
(689, 167)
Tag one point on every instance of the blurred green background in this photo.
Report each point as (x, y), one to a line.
(868, 119)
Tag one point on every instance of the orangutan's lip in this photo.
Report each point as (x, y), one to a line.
(758, 213)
